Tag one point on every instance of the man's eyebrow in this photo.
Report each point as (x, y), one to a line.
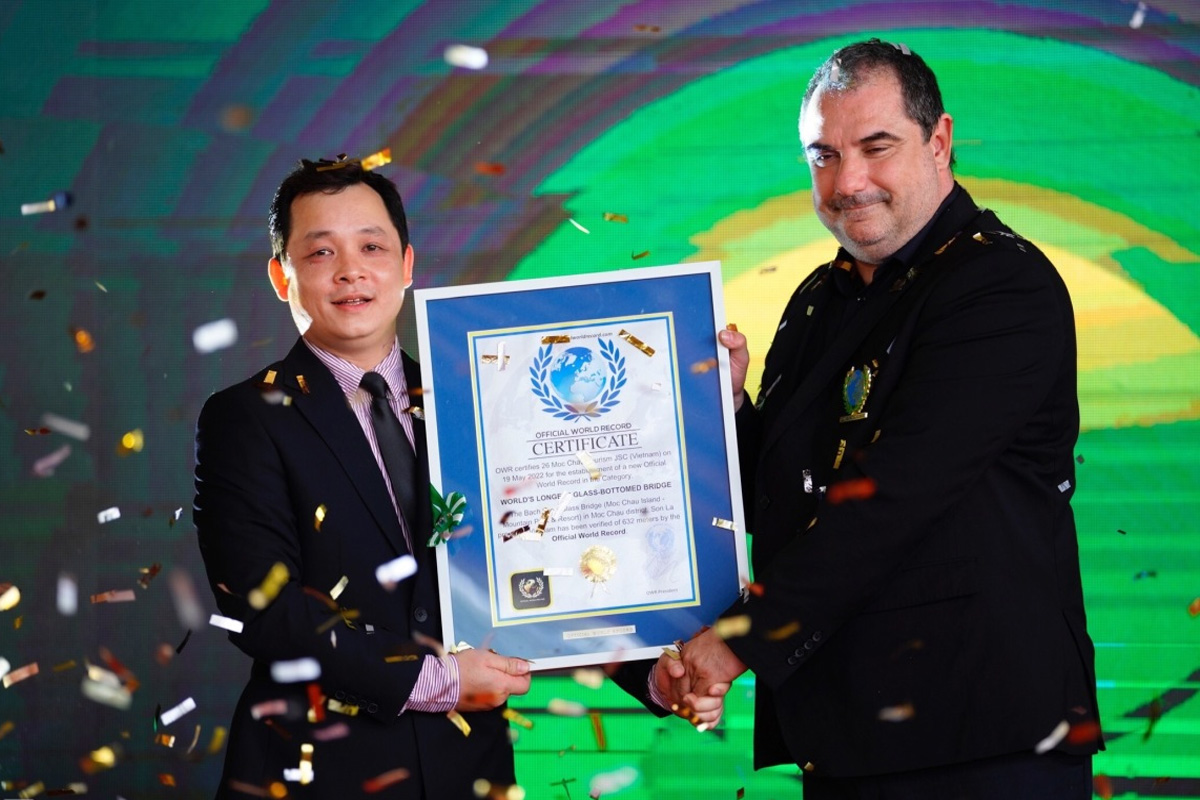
(879, 136)
(373, 230)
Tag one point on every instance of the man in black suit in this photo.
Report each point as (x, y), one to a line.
(917, 629)
(305, 485)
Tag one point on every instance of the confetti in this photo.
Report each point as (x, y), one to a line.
(187, 604)
(6, 728)
(64, 666)
(465, 56)
(37, 431)
(114, 596)
(1155, 714)
(636, 256)
(896, 713)
(276, 578)
(236, 118)
(1102, 786)
(108, 515)
(131, 442)
(319, 517)
(459, 722)
(172, 714)
(488, 358)
(730, 627)
(1064, 486)
(611, 217)
(1135, 22)
(67, 427)
(727, 524)
(1194, 607)
(20, 674)
(148, 574)
(372, 785)
(10, 595)
(589, 677)
(44, 467)
(756, 589)
(100, 759)
(165, 739)
(1084, 732)
(303, 384)
(1050, 742)
(337, 590)
(598, 731)
(853, 489)
(377, 160)
(58, 200)
(306, 767)
(701, 367)
(566, 708)
(612, 782)
(636, 342)
(647, 28)
(84, 342)
(589, 464)
(577, 225)
(1079, 458)
(213, 336)
(517, 718)
(268, 708)
(295, 671)
(166, 779)
(393, 572)
(784, 631)
(489, 168)
(338, 730)
(227, 623)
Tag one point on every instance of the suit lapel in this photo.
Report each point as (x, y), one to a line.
(321, 402)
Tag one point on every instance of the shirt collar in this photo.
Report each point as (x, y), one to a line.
(349, 376)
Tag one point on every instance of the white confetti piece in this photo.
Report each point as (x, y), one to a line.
(67, 427)
(227, 623)
(1050, 742)
(58, 201)
(187, 604)
(4, 666)
(612, 782)
(108, 515)
(589, 677)
(1139, 16)
(1062, 487)
(44, 467)
(392, 572)
(577, 225)
(558, 572)
(466, 56)
(107, 694)
(300, 669)
(9, 597)
(68, 594)
(213, 336)
(566, 708)
(172, 714)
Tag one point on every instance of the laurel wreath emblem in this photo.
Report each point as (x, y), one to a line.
(573, 412)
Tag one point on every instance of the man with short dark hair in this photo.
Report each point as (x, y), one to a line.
(310, 476)
(917, 627)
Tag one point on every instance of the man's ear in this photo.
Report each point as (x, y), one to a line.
(942, 140)
(408, 265)
(278, 278)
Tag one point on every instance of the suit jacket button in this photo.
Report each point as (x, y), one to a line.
(420, 614)
(371, 709)
(763, 502)
(792, 661)
(808, 645)
(339, 696)
(816, 637)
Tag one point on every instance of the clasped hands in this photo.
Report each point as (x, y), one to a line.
(694, 683)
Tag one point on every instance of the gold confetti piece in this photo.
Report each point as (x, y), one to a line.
(459, 722)
(17, 623)
(372, 785)
(99, 285)
(566, 708)
(611, 217)
(319, 517)
(20, 674)
(979, 237)
(701, 367)
(647, 28)
(269, 378)
(577, 225)
(84, 342)
(560, 338)
(148, 574)
(727, 524)
(166, 740)
(38, 431)
(837, 460)
(377, 160)
(64, 666)
(166, 779)
(598, 730)
(517, 718)
(306, 767)
(303, 383)
(114, 596)
(401, 658)
(6, 728)
(99, 759)
(636, 256)
(1194, 606)
(416, 411)
(10, 595)
(489, 168)
(337, 590)
(896, 713)
(589, 677)
(342, 708)
(272, 584)
(33, 790)
(671, 654)
(783, 631)
(589, 464)
(218, 740)
(636, 342)
(731, 627)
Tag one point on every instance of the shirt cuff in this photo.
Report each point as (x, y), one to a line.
(652, 690)
(437, 688)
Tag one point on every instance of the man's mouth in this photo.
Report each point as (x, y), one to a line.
(352, 301)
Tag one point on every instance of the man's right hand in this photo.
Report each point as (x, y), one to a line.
(486, 679)
(739, 361)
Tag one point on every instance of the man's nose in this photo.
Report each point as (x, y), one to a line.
(349, 268)
(852, 174)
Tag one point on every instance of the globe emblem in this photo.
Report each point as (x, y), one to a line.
(577, 376)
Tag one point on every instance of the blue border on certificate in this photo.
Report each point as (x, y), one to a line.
(448, 319)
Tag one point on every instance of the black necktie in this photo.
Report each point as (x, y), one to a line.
(398, 456)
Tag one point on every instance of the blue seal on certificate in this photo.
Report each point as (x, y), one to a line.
(575, 384)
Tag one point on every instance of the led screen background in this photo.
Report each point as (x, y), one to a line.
(171, 126)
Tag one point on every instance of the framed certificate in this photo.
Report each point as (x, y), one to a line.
(587, 422)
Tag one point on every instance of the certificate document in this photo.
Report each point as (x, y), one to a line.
(586, 422)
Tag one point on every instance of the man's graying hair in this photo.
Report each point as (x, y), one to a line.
(853, 64)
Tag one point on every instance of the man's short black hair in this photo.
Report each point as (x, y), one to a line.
(318, 176)
(855, 63)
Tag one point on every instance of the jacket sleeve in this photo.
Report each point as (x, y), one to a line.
(986, 395)
(246, 524)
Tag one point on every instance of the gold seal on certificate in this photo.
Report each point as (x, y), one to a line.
(598, 564)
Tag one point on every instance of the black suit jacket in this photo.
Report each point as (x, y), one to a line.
(940, 619)
(266, 458)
